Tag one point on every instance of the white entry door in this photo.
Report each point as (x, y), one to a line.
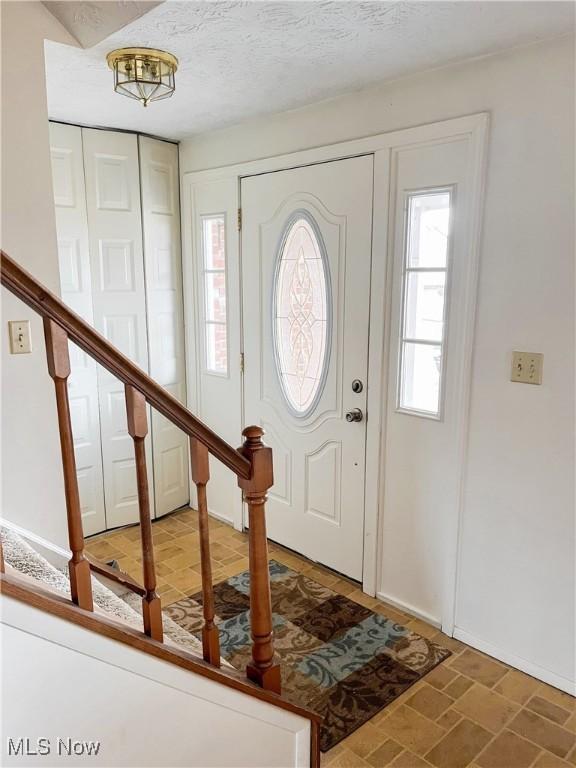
(306, 252)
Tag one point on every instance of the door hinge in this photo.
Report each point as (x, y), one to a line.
(241, 362)
(239, 219)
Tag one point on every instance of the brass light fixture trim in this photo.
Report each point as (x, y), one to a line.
(144, 74)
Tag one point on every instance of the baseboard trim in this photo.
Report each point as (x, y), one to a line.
(26, 534)
(220, 517)
(407, 608)
(534, 670)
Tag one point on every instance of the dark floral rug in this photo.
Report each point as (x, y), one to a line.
(337, 657)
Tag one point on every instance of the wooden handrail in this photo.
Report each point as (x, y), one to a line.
(23, 285)
(251, 463)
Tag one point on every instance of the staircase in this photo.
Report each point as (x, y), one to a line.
(24, 562)
(80, 598)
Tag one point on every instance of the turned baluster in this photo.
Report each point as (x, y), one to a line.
(261, 669)
(59, 370)
(200, 475)
(138, 429)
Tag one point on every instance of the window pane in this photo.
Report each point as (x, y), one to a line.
(214, 235)
(428, 223)
(424, 305)
(420, 382)
(216, 348)
(301, 315)
(215, 319)
(215, 283)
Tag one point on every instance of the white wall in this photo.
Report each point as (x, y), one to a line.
(516, 576)
(32, 486)
(142, 710)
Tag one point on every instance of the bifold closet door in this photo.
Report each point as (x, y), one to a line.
(119, 302)
(76, 290)
(163, 267)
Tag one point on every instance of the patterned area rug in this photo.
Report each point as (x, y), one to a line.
(337, 657)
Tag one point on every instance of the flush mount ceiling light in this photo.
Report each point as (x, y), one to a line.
(145, 74)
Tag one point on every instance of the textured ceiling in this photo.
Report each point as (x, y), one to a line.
(91, 22)
(239, 60)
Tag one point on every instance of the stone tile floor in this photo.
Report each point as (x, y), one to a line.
(470, 711)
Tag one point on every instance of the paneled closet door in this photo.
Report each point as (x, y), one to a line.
(76, 290)
(163, 264)
(118, 293)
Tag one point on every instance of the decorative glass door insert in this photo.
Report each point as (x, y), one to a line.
(301, 313)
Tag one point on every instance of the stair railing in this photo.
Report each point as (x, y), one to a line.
(251, 463)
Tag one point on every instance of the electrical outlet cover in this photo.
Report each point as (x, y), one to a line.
(527, 367)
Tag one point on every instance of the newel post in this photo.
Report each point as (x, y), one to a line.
(59, 370)
(262, 669)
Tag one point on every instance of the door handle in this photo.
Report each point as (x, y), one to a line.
(354, 415)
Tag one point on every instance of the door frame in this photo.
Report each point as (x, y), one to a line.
(473, 128)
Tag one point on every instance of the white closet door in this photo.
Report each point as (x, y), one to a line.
(163, 263)
(115, 226)
(76, 291)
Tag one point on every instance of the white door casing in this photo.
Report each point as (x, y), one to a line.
(386, 148)
(316, 505)
(118, 292)
(163, 272)
(76, 291)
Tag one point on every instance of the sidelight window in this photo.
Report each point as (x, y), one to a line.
(301, 313)
(214, 286)
(424, 298)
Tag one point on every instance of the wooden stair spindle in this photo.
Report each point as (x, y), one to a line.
(262, 669)
(200, 463)
(59, 370)
(2, 567)
(138, 429)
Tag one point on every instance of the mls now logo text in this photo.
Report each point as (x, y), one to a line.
(26, 747)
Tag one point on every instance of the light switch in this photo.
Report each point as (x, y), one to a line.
(20, 341)
(527, 367)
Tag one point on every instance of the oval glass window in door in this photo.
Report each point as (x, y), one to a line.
(302, 310)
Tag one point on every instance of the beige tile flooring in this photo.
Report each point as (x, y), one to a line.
(470, 711)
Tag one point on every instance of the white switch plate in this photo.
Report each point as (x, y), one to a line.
(20, 340)
(527, 367)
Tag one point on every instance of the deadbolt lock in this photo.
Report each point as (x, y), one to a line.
(357, 386)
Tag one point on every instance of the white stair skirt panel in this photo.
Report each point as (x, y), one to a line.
(142, 710)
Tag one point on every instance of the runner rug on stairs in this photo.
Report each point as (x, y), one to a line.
(19, 555)
(337, 657)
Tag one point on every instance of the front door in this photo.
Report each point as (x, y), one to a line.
(306, 251)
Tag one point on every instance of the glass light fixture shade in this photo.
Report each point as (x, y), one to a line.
(145, 74)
